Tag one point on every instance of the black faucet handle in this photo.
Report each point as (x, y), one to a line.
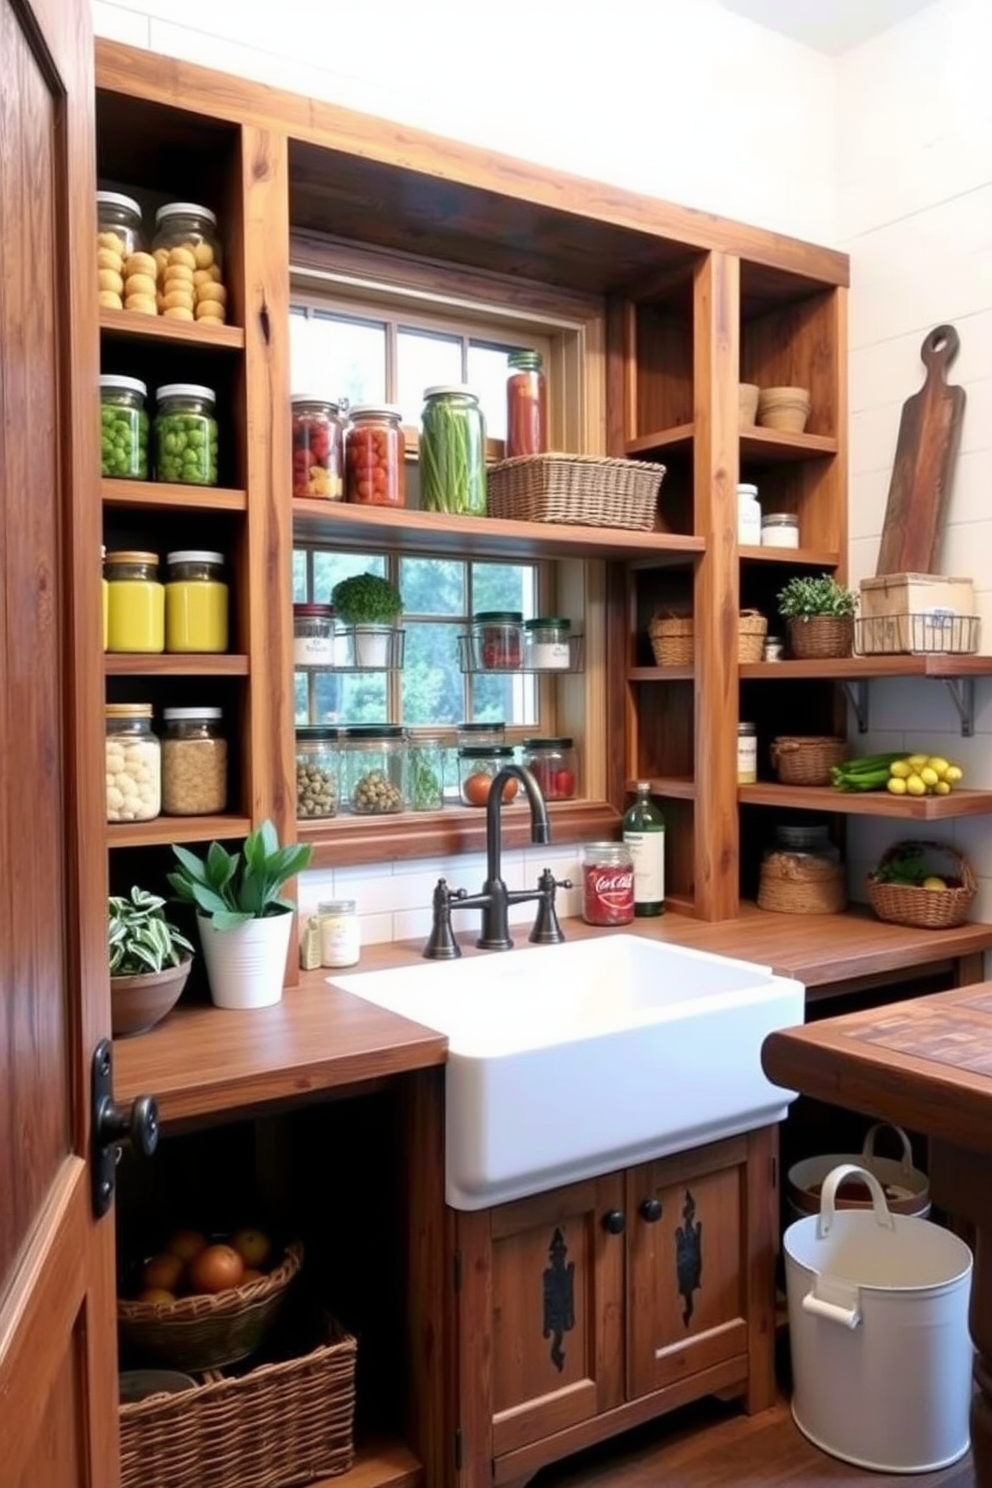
(547, 930)
(441, 943)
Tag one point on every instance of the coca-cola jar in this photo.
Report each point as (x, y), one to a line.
(607, 884)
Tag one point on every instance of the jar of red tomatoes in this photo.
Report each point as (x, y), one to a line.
(375, 456)
(607, 884)
(552, 762)
(526, 408)
(478, 766)
(318, 448)
(498, 640)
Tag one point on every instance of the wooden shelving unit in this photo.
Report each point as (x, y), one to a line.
(156, 329)
(867, 803)
(124, 664)
(163, 830)
(150, 494)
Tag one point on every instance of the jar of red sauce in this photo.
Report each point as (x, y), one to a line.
(499, 639)
(318, 448)
(526, 407)
(607, 884)
(375, 456)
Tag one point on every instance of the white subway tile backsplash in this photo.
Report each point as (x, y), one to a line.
(375, 929)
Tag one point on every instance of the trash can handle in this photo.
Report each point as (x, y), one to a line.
(849, 1317)
(868, 1150)
(828, 1197)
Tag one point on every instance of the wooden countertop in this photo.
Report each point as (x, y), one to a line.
(925, 1063)
(203, 1061)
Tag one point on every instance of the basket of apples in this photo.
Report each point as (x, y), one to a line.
(202, 1303)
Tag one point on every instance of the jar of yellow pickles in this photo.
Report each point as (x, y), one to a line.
(195, 601)
(135, 602)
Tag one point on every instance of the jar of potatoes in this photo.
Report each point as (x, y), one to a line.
(189, 271)
(123, 266)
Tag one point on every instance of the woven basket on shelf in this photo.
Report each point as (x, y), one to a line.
(673, 643)
(925, 909)
(752, 627)
(280, 1424)
(589, 490)
(806, 759)
(796, 884)
(207, 1332)
(821, 636)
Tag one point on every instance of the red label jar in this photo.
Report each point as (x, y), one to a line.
(607, 884)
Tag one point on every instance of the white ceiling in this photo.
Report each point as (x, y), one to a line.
(832, 26)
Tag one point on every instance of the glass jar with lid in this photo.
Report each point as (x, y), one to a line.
(123, 428)
(318, 771)
(526, 405)
(313, 635)
(135, 602)
(802, 873)
(186, 434)
(195, 601)
(133, 763)
(780, 530)
(748, 515)
(340, 936)
(548, 644)
(453, 452)
(118, 239)
(747, 753)
(425, 771)
(374, 769)
(478, 765)
(554, 764)
(481, 733)
(318, 447)
(187, 255)
(607, 884)
(375, 456)
(497, 640)
(194, 761)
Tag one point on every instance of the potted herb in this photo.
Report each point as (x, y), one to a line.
(371, 605)
(820, 616)
(149, 961)
(243, 920)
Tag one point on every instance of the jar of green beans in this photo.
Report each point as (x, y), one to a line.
(453, 452)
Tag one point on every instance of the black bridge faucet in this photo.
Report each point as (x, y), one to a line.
(495, 898)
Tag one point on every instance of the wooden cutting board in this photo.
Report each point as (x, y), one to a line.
(929, 431)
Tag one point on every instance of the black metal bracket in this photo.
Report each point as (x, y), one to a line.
(112, 1125)
(962, 690)
(857, 696)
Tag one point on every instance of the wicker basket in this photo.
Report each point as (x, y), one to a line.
(806, 759)
(821, 636)
(207, 1332)
(589, 490)
(276, 1426)
(752, 627)
(788, 886)
(926, 909)
(673, 644)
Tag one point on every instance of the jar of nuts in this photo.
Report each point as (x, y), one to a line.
(134, 763)
(317, 771)
(373, 768)
(194, 761)
(118, 239)
(187, 257)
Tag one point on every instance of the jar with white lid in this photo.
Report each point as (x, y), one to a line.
(748, 516)
(195, 602)
(133, 759)
(780, 530)
(118, 240)
(187, 255)
(375, 456)
(123, 428)
(186, 434)
(747, 754)
(318, 447)
(194, 761)
(548, 644)
(340, 938)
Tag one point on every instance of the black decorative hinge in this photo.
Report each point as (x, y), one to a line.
(559, 1298)
(689, 1255)
(112, 1125)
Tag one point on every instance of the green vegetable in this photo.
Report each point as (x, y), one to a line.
(453, 455)
(186, 448)
(903, 867)
(426, 792)
(123, 441)
(366, 599)
(869, 772)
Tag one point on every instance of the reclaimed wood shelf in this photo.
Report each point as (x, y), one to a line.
(174, 664)
(678, 437)
(162, 830)
(150, 494)
(867, 803)
(794, 557)
(766, 445)
(851, 668)
(678, 787)
(380, 1464)
(126, 323)
(661, 674)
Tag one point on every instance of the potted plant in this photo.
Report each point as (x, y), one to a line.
(371, 605)
(149, 961)
(244, 922)
(820, 616)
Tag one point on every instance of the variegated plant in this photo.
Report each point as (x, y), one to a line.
(139, 937)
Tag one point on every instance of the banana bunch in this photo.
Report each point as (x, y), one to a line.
(923, 775)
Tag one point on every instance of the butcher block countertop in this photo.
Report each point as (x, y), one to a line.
(204, 1062)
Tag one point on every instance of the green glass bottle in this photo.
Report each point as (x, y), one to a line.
(644, 835)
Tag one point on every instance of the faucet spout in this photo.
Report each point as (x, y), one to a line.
(540, 827)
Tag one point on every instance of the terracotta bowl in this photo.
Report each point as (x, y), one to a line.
(748, 393)
(138, 1002)
(784, 408)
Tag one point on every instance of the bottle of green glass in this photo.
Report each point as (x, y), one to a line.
(644, 835)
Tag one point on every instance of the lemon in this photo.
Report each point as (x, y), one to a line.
(939, 765)
(915, 786)
(896, 785)
(942, 788)
(929, 776)
(953, 774)
(916, 761)
(933, 882)
(899, 769)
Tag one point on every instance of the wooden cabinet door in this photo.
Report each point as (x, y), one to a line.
(58, 1364)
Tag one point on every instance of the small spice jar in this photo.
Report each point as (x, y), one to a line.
(313, 635)
(526, 404)
(497, 637)
(773, 648)
(123, 428)
(340, 938)
(453, 452)
(553, 763)
(133, 763)
(187, 256)
(194, 761)
(780, 530)
(374, 769)
(195, 602)
(318, 769)
(747, 754)
(135, 602)
(480, 733)
(425, 772)
(318, 448)
(118, 241)
(548, 644)
(748, 516)
(186, 434)
(375, 456)
(801, 873)
(478, 765)
(607, 884)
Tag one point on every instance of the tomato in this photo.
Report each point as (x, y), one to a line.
(216, 1269)
(475, 788)
(564, 786)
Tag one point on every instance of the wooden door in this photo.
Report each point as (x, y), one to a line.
(57, 1344)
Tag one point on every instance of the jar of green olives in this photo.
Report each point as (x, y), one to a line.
(186, 434)
(123, 428)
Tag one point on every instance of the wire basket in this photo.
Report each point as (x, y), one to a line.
(588, 490)
(207, 1332)
(932, 633)
(673, 639)
(925, 909)
(280, 1424)
(806, 759)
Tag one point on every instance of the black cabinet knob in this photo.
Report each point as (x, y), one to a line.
(614, 1222)
(651, 1210)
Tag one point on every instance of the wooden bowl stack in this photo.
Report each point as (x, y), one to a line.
(784, 408)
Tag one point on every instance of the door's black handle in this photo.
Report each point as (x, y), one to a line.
(614, 1222)
(113, 1124)
(651, 1210)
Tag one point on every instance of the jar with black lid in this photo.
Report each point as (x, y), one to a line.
(478, 765)
(802, 873)
(552, 762)
(498, 640)
(318, 771)
(374, 769)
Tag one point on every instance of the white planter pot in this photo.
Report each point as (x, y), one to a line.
(246, 966)
(372, 645)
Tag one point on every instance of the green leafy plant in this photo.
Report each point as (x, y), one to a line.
(139, 937)
(366, 599)
(903, 867)
(803, 598)
(230, 888)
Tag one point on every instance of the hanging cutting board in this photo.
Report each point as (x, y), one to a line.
(921, 472)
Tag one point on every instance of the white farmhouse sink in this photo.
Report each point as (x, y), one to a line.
(571, 1060)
